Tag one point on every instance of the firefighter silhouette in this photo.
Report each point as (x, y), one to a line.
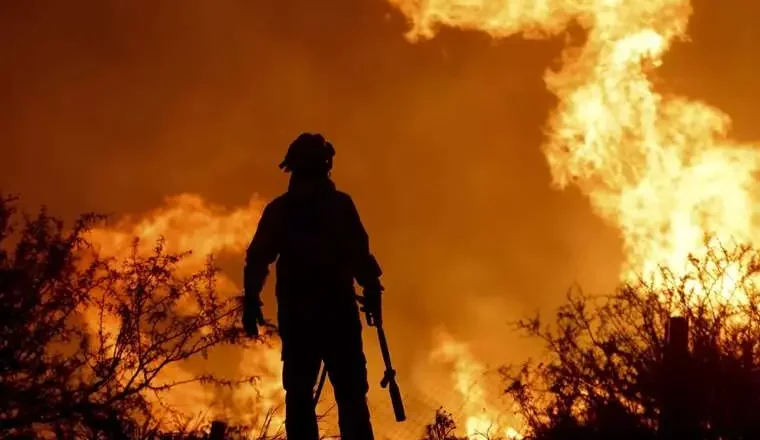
(315, 234)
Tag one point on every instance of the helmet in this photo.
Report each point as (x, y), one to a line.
(309, 152)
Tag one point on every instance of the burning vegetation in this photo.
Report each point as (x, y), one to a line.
(98, 346)
(108, 330)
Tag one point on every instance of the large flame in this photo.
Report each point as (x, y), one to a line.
(661, 168)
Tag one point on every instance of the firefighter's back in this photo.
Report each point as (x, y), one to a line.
(318, 241)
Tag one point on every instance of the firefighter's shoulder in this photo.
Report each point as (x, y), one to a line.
(344, 197)
(344, 202)
(276, 206)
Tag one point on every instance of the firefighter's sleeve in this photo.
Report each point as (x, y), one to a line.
(367, 271)
(261, 253)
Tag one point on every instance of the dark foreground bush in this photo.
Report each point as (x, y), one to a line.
(609, 372)
(84, 339)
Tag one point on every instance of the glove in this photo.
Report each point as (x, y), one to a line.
(371, 304)
(252, 317)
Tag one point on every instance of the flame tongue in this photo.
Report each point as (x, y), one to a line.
(660, 168)
(482, 420)
(188, 223)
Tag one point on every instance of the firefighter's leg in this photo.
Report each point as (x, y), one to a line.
(300, 370)
(347, 369)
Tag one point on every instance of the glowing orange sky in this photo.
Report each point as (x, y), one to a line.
(111, 107)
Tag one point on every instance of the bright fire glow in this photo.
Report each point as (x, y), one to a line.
(468, 374)
(187, 222)
(659, 167)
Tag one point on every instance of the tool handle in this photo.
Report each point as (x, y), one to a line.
(321, 384)
(389, 378)
(386, 353)
(398, 404)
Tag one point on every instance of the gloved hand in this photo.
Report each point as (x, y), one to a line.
(371, 304)
(252, 317)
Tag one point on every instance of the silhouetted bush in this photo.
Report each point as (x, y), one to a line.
(443, 427)
(604, 377)
(84, 339)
